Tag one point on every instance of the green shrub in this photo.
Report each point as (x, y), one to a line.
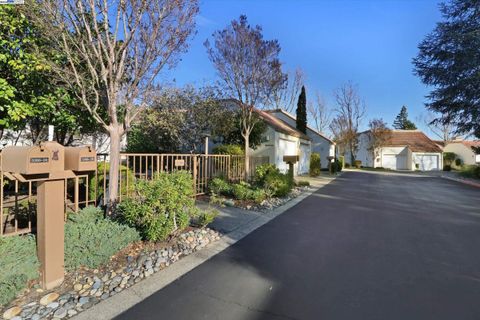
(357, 163)
(342, 162)
(337, 165)
(277, 185)
(230, 149)
(448, 157)
(262, 171)
(258, 195)
(205, 218)
(105, 166)
(91, 239)
(160, 206)
(347, 165)
(220, 186)
(315, 164)
(447, 167)
(303, 183)
(18, 265)
(244, 191)
(471, 171)
(241, 191)
(458, 162)
(272, 181)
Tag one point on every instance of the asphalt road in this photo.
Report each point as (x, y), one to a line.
(366, 246)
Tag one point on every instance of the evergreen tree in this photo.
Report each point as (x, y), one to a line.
(448, 62)
(302, 111)
(401, 121)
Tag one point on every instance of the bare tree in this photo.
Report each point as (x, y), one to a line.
(350, 111)
(319, 113)
(114, 51)
(250, 69)
(285, 96)
(379, 136)
(439, 126)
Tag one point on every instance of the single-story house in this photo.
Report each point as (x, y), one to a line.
(403, 150)
(281, 139)
(463, 149)
(320, 143)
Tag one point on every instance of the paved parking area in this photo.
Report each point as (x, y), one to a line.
(366, 246)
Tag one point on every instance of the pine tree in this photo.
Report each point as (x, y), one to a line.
(401, 121)
(302, 111)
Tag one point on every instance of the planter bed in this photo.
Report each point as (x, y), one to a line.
(84, 287)
(265, 206)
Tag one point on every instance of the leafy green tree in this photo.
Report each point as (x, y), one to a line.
(401, 122)
(302, 111)
(178, 120)
(30, 97)
(448, 60)
(231, 132)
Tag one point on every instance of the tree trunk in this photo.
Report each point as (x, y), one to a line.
(352, 155)
(247, 156)
(115, 136)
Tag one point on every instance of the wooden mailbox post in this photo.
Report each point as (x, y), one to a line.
(291, 160)
(50, 164)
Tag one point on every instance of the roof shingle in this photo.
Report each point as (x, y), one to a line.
(416, 140)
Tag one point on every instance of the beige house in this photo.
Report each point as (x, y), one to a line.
(404, 150)
(281, 139)
(463, 150)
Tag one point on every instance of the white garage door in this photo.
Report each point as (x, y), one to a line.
(285, 148)
(427, 162)
(394, 161)
(303, 164)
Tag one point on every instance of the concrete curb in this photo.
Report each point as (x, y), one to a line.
(467, 182)
(126, 299)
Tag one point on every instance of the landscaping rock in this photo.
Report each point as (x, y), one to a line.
(11, 313)
(60, 313)
(90, 287)
(53, 305)
(49, 298)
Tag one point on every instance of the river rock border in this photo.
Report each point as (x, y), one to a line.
(95, 287)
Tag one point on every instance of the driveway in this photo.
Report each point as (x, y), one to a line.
(366, 246)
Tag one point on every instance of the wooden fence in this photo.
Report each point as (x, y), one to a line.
(18, 199)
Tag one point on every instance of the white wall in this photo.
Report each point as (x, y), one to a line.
(364, 153)
(319, 144)
(267, 148)
(462, 151)
(278, 145)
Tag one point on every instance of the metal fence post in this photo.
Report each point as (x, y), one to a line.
(194, 173)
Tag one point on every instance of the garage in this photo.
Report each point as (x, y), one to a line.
(304, 163)
(394, 161)
(285, 148)
(427, 162)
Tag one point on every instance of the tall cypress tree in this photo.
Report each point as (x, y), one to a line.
(401, 121)
(302, 111)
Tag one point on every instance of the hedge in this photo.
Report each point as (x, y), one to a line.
(18, 265)
(91, 240)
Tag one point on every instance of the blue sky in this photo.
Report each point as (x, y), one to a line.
(368, 42)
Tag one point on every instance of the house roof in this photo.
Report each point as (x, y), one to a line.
(467, 143)
(416, 140)
(294, 118)
(280, 125)
(440, 143)
(277, 124)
